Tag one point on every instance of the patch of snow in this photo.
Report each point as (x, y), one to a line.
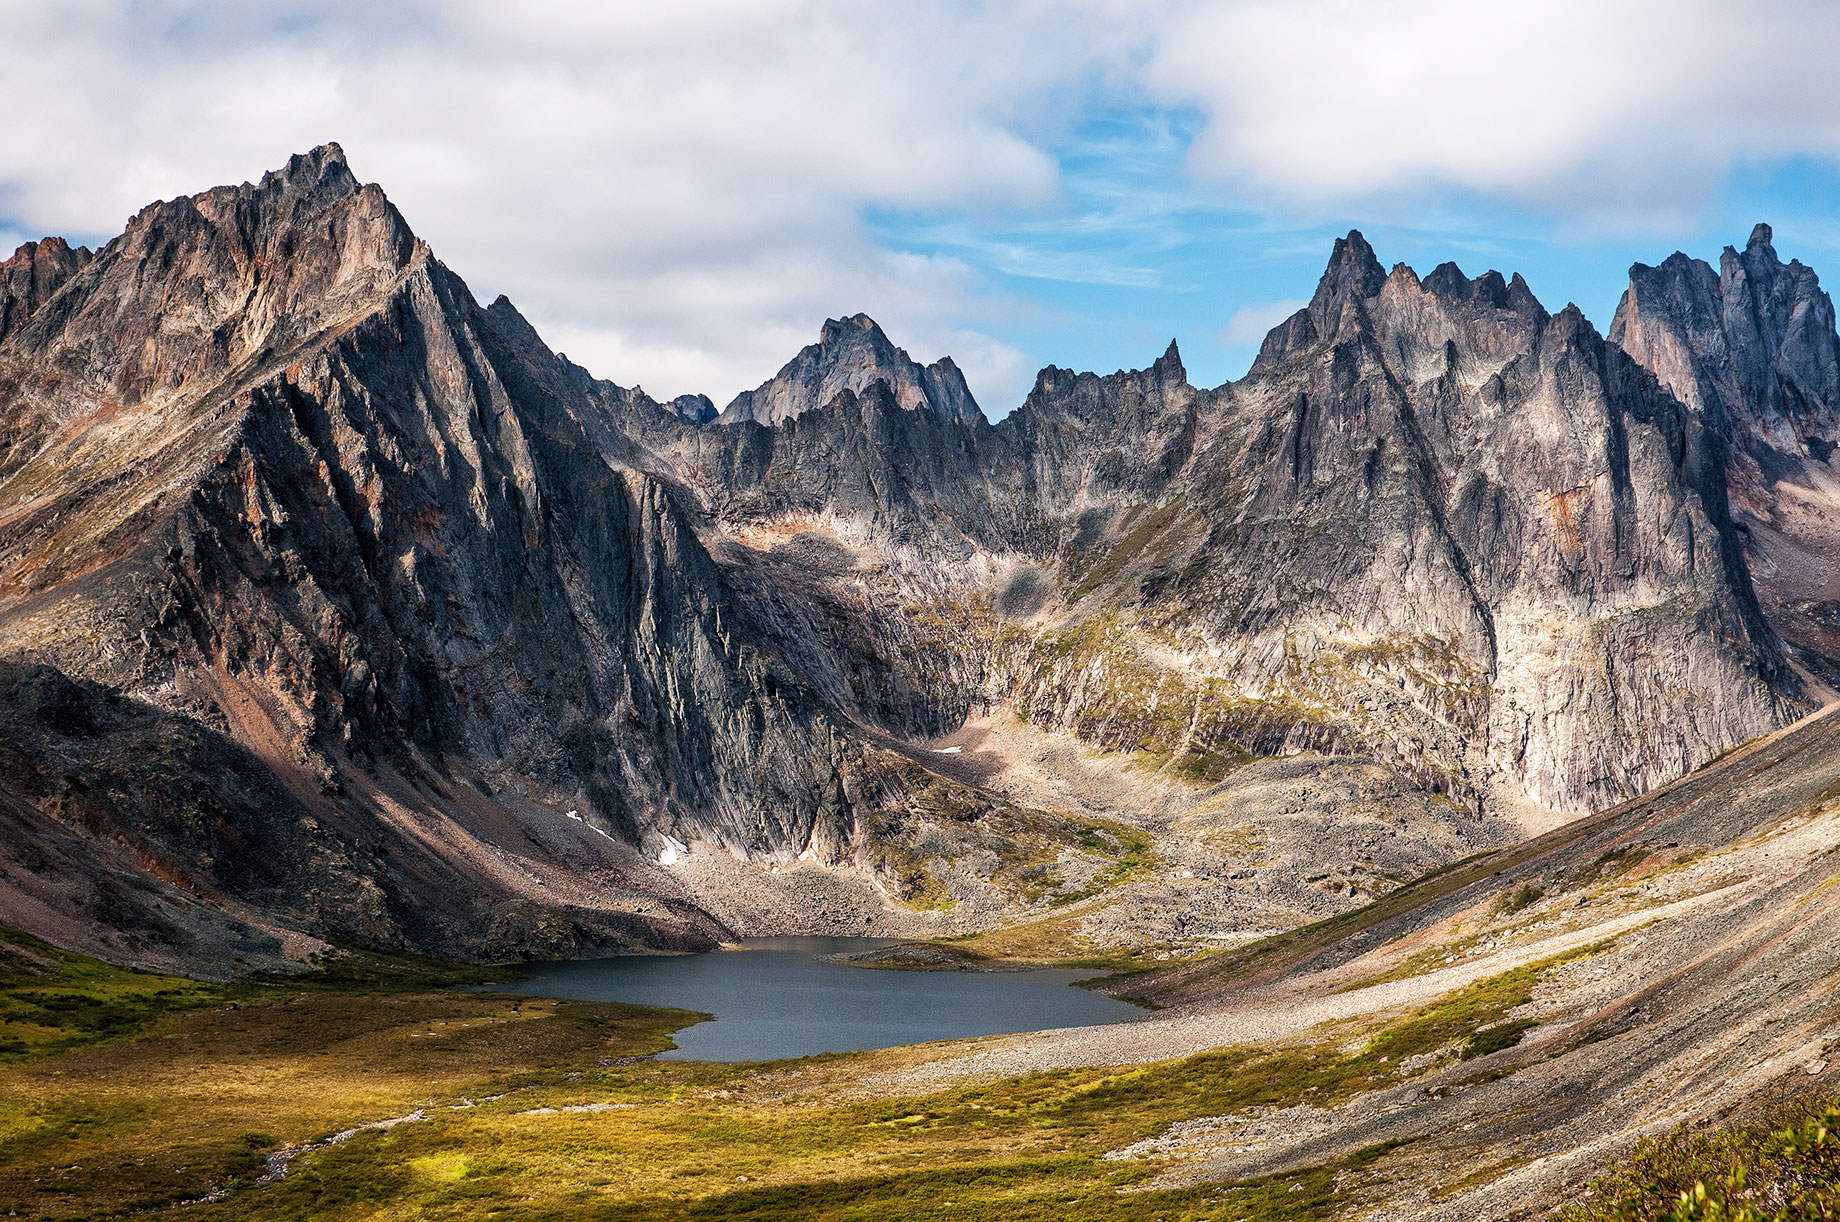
(673, 849)
(947, 750)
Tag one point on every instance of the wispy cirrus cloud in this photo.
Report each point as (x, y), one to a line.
(1250, 323)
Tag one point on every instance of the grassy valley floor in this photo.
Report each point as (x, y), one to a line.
(529, 1108)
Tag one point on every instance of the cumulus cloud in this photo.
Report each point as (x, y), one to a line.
(679, 194)
(675, 191)
(1624, 110)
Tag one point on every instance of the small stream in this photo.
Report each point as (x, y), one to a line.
(781, 997)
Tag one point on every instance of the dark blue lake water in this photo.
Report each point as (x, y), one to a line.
(778, 997)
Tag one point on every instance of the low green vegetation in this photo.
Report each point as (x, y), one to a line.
(1284, 951)
(1784, 1167)
(52, 1001)
(1165, 720)
(1142, 525)
(1610, 864)
(1518, 899)
(544, 1109)
(1056, 939)
(1131, 851)
(1496, 1037)
(155, 1090)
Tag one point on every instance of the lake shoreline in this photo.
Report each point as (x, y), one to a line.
(779, 998)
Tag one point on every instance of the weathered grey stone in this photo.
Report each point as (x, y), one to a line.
(1753, 351)
(270, 470)
(850, 355)
(29, 279)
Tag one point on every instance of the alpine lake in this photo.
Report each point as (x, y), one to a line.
(774, 998)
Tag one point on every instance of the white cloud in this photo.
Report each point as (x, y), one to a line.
(676, 193)
(1627, 110)
(1250, 323)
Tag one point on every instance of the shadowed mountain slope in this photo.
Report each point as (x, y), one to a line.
(269, 471)
(283, 476)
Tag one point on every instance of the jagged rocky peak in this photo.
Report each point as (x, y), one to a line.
(851, 353)
(1752, 349)
(198, 286)
(1069, 394)
(694, 409)
(1527, 496)
(1489, 319)
(35, 272)
(1753, 345)
(1168, 367)
(1354, 274)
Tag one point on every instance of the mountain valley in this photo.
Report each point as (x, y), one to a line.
(1432, 725)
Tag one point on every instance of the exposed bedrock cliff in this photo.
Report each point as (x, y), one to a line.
(851, 354)
(1434, 520)
(268, 471)
(319, 499)
(32, 275)
(1441, 464)
(1752, 349)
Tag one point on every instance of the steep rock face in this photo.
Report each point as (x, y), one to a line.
(35, 272)
(1752, 349)
(1435, 522)
(325, 502)
(1082, 442)
(694, 409)
(507, 633)
(851, 353)
(881, 470)
(1442, 468)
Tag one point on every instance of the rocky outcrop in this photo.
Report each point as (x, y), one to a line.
(1082, 444)
(1442, 467)
(299, 487)
(1435, 523)
(694, 409)
(1753, 351)
(509, 634)
(29, 279)
(850, 355)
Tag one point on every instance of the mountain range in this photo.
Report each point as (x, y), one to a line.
(335, 606)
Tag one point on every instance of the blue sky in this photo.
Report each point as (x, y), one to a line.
(679, 195)
(1136, 254)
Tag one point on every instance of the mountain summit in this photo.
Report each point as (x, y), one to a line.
(341, 604)
(850, 355)
(1751, 348)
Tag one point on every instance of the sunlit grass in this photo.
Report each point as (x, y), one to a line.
(193, 1100)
